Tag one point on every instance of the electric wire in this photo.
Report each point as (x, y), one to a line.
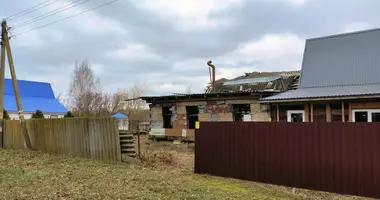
(51, 13)
(71, 16)
(31, 9)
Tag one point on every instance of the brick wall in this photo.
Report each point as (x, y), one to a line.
(208, 111)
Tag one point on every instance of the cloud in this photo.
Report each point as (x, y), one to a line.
(357, 26)
(166, 44)
(188, 14)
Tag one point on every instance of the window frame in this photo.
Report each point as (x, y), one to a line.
(290, 112)
(188, 116)
(369, 113)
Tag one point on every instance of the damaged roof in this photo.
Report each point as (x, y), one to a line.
(258, 81)
(208, 96)
(338, 66)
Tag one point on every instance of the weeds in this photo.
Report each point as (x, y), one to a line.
(157, 159)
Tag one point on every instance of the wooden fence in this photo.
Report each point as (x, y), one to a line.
(334, 157)
(82, 137)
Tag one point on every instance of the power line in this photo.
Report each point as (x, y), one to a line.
(32, 9)
(53, 12)
(71, 16)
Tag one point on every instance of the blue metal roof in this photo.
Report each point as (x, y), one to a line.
(34, 96)
(120, 116)
(29, 88)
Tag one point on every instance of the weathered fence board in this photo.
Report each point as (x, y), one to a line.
(82, 137)
(334, 157)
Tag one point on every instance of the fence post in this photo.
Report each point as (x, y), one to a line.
(138, 139)
(2, 133)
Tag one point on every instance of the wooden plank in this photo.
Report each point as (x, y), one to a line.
(328, 112)
(307, 112)
(343, 115)
(278, 112)
(349, 112)
(92, 138)
(311, 112)
(365, 105)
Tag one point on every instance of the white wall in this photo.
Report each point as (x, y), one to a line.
(123, 124)
(29, 115)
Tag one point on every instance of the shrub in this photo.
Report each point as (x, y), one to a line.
(38, 115)
(6, 115)
(69, 114)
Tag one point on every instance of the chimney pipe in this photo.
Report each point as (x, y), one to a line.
(209, 63)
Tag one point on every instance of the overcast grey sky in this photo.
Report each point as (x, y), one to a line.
(166, 43)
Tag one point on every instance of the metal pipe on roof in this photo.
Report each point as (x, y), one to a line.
(209, 63)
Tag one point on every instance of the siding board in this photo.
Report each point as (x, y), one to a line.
(333, 157)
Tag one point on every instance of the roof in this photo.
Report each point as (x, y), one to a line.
(252, 94)
(260, 81)
(120, 116)
(326, 92)
(345, 59)
(34, 96)
(339, 65)
(29, 88)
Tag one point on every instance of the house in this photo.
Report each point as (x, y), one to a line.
(123, 122)
(34, 96)
(339, 81)
(176, 115)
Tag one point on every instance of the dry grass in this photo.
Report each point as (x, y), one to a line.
(167, 156)
(36, 175)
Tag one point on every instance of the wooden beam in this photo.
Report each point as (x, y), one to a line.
(311, 113)
(349, 112)
(343, 115)
(307, 111)
(328, 112)
(278, 112)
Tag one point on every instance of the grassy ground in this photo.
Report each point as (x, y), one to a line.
(36, 175)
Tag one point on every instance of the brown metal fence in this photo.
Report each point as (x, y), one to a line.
(334, 157)
(83, 137)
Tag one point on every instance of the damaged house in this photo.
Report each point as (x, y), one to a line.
(176, 116)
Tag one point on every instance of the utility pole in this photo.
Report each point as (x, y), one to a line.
(2, 74)
(6, 45)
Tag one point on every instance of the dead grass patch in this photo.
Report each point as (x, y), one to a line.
(36, 175)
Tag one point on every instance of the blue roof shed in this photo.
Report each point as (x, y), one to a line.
(120, 116)
(34, 96)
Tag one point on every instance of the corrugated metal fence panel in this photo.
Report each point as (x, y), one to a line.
(334, 157)
(82, 137)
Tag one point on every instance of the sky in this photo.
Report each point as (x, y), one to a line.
(165, 44)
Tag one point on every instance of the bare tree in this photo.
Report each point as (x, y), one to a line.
(86, 100)
(188, 90)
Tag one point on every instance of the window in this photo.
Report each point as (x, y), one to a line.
(53, 116)
(192, 116)
(296, 115)
(370, 115)
(167, 116)
(240, 110)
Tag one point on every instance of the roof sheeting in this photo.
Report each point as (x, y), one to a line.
(337, 66)
(257, 81)
(120, 116)
(29, 88)
(31, 104)
(344, 59)
(34, 96)
(323, 92)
